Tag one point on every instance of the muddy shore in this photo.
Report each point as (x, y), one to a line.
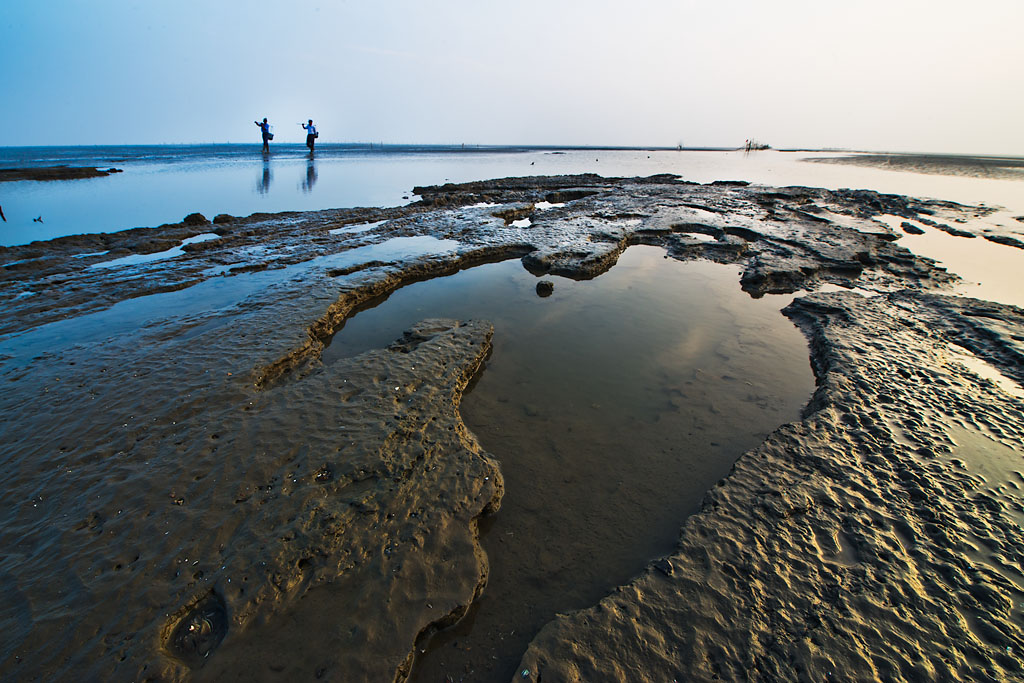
(192, 494)
(54, 173)
(998, 168)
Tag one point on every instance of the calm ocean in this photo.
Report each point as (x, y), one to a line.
(164, 183)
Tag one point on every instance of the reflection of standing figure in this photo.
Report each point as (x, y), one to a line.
(311, 134)
(267, 135)
(263, 186)
(310, 181)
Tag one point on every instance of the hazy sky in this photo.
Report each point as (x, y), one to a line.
(910, 75)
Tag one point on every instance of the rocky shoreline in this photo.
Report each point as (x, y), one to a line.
(201, 538)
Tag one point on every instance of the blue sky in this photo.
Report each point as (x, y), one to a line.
(896, 74)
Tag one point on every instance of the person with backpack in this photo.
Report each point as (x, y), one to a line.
(267, 135)
(311, 134)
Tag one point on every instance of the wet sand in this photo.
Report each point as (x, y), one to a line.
(194, 494)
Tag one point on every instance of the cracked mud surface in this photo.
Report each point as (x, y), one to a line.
(188, 485)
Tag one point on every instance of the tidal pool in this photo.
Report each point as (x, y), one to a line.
(612, 405)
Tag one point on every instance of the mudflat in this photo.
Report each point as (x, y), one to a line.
(54, 173)
(997, 168)
(192, 493)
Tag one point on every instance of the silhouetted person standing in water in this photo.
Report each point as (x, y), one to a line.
(267, 135)
(311, 134)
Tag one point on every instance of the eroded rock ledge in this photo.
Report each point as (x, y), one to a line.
(387, 525)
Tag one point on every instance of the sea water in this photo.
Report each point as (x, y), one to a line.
(163, 184)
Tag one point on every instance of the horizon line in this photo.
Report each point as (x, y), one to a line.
(489, 146)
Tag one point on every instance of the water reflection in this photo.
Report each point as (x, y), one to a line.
(213, 179)
(310, 180)
(263, 184)
(641, 388)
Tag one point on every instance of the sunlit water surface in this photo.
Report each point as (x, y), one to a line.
(163, 184)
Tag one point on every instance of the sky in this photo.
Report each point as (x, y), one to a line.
(896, 75)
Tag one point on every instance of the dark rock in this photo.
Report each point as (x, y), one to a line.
(195, 219)
(911, 229)
(545, 288)
(567, 196)
(221, 218)
(514, 214)
(1005, 240)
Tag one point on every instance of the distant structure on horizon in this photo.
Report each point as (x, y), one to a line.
(752, 145)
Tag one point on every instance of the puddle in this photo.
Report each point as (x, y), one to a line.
(20, 261)
(826, 287)
(541, 206)
(986, 371)
(203, 298)
(95, 253)
(990, 271)
(394, 249)
(355, 228)
(136, 259)
(699, 236)
(521, 223)
(612, 405)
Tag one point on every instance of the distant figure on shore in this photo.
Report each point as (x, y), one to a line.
(267, 135)
(311, 134)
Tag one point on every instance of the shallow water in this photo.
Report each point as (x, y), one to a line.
(215, 295)
(613, 405)
(990, 271)
(164, 184)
